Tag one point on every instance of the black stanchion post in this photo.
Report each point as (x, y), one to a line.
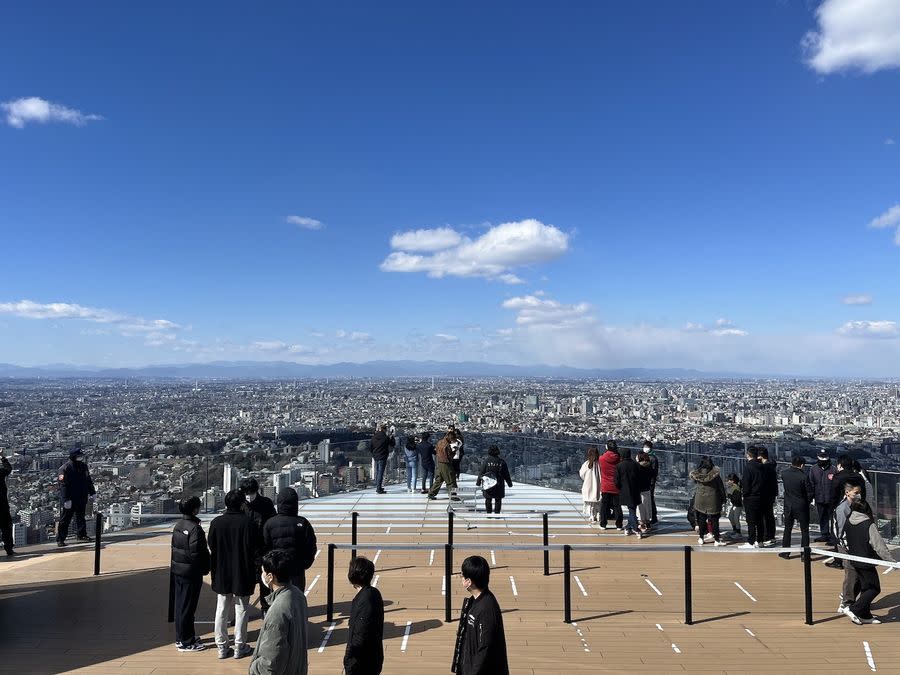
(688, 595)
(546, 550)
(448, 574)
(355, 517)
(170, 616)
(807, 583)
(330, 608)
(98, 533)
(450, 528)
(567, 583)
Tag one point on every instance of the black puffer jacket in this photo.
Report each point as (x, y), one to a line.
(289, 532)
(496, 468)
(233, 547)
(259, 510)
(190, 555)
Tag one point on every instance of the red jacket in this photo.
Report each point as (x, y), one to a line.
(608, 461)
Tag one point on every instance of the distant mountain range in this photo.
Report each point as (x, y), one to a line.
(369, 369)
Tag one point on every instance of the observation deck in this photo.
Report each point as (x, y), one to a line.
(627, 600)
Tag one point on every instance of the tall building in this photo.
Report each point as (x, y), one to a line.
(230, 478)
(325, 450)
(532, 402)
(281, 480)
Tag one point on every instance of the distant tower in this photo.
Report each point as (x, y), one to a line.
(432, 383)
(229, 478)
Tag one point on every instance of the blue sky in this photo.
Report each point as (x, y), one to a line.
(596, 184)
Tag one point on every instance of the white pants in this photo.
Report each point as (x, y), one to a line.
(223, 612)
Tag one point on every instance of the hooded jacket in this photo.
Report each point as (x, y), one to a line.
(287, 531)
(709, 495)
(861, 538)
(281, 648)
(628, 483)
(233, 547)
(608, 462)
(190, 555)
(75, 483)
(821, 478)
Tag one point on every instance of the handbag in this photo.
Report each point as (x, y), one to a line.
(487, 482)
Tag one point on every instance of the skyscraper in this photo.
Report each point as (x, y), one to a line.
(229, 478)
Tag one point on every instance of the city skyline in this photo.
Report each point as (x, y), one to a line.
(705, 188)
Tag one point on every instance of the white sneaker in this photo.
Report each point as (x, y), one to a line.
(720, 543)
(708, 537)
(872, 620)
(748, 545)
(769, 543)
(700, 541)
(842, 608)
(855, 619)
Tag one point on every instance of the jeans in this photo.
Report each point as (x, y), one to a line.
(62, 531)
(380, 465)
(754, 513)
(708, 522)
(427, 477)
(632, 518)
(187, 594)
(826, 513)
(492, 504)
(610, 502)
(223, 611)
(869, 586)
(412, 469)
(800, 513)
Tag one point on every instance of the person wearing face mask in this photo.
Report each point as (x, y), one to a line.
(259, 509)
(860, 537)
(281, 647)
(821, 476)
(481, 640)
(365, 630)
(654, 474)
(850, 586)
(190, 563)
(75, 489)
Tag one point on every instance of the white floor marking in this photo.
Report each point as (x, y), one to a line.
(406, 636)
(745, 591)
(658, 626)
(312, 585)
(580, 587)
(675, 648)
(443, 585)
(493, 560)
(375, 581)
(388, 530)
(584, 644)
(658, 592)
(869, 659)
(327, 636)
(318, 551)
(515, 590)
(377, 556)
(750, 632)
(431, 558)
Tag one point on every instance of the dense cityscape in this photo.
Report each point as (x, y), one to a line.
(148, 442)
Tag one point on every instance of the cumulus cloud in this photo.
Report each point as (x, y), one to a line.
(883, 330)
(24, 111)
(889, 141)
(859, 35)
(532, 310)
(862, 299)
(355, 336)
(443, 251)
(888, 219)
(305, 222)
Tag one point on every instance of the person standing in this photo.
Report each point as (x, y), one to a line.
(281, 647)
(233, 546)
(364, 654)
(654, 475)
(288, 531)
(495, 470)
(735, 503)
(861, 538)
(425, 448)
(190, 563)
(444, 473)
(645, 485)
(752, 488)
(627, 482)
(709, 498)
(590, 485)
(380, 446)
(259, 508)
(821, 476)
(481, 646)
(459, 449)
(75, 490)
(770, 496)
(845, 475)
(5, 517)
(798, 494)
(609, 493)
(412, 463)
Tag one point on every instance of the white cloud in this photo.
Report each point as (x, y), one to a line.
(721, 328)
(305, 223)
(539, 312)
(444, 337)
(277, 346)
(359, 336)
(854, 35)
(444, 252)
(890, 218)
(884, 330)
(889, 141)
(862, 299)
(340, 333)
(23, 111)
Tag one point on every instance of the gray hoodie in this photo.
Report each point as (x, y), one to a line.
(281, 648)
(875, 540)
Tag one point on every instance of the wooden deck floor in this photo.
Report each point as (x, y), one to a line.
(627, 608)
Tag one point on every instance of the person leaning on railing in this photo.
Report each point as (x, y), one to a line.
(190, 563)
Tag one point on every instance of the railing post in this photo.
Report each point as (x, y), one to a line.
(330, 584)
(546, 550)
(354, 517)
(567, 583)
(807, 584)
(450, 528)
(448, 574)
(98, 533)
(688, 595)
(170, 616)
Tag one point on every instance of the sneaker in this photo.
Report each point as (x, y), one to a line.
(225, 652)
(720, 543)
(83, 539)
(872, 620)
(784, 556)
(842, 608)
(431, 497)
(640, 535)
(769, 543)
(748, 545)
(626, 532)
(195, 646)
(855, 619)
(243, 651)
(700, 541)
(10, 553)
(455, 499)
(61, 544)
(708, 538)
(835, 565)
(820, 540)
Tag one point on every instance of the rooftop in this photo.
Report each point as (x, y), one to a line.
(627, 605)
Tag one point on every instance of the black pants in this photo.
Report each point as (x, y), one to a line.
(768, 521)
(799, 513)
(6, 526)
(187, 595)
(77, 510)
(870, 587)
(610, 502)
(457, 467)
(753, 512)
(708, 522)
(263, 591)
(492, 504)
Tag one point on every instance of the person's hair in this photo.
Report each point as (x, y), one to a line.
(845, 461)
(861, 507)
(234, 499)
(798, 461)
(279, 563)
(849, 487)
(625, 453)
(476, 569)
(705, 463)
(593, 454)
(361, 571)
(426, 436)
(857, 467)
(249, 486)
(648, 444)
(753, 452)
(733, 477)
(189, 505)
(612, 446)
(494, 451)
(643, 457)
(764, 453)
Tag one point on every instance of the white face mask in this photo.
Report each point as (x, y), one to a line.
(79, 459)
(250, 497)
(266, 582)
